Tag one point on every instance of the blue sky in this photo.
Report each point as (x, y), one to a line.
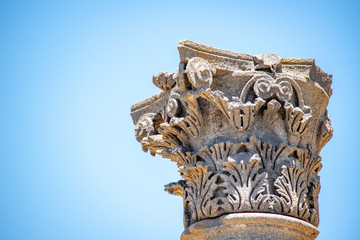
(70, 167)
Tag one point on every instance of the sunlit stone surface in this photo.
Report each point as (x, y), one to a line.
(246, 133)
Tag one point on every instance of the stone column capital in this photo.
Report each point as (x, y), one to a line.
(246, 132)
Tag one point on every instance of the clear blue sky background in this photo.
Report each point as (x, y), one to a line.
(70, 167)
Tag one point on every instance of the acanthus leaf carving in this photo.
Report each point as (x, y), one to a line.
(201, 188)
(173, 136)
(314, 203)
(271, 113)
(296, 122)
(245, 184)
(193, 122)
(183, 159)
(292, 188)
(240, 115)
(270, 203)
(270, 155)
(182, 127)
(154, 143)
(176, 188)
(311, 164)
(216, 155)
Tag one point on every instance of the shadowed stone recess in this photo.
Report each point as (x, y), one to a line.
(246, 133)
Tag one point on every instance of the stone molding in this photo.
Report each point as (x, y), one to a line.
(245, 131)
(260, 226)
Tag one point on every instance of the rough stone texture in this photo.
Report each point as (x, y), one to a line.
(245, 131)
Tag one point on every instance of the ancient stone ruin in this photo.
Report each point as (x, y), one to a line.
(246, 133)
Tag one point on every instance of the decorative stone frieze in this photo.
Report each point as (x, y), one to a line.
(246, 133)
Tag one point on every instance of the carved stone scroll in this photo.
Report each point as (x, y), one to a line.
(246, 133)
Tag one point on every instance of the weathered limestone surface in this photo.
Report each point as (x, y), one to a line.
(251, 226)
(246, 132)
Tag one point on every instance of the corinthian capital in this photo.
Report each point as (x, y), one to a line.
(246, 133)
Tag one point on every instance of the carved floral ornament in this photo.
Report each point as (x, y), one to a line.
(245, 135)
